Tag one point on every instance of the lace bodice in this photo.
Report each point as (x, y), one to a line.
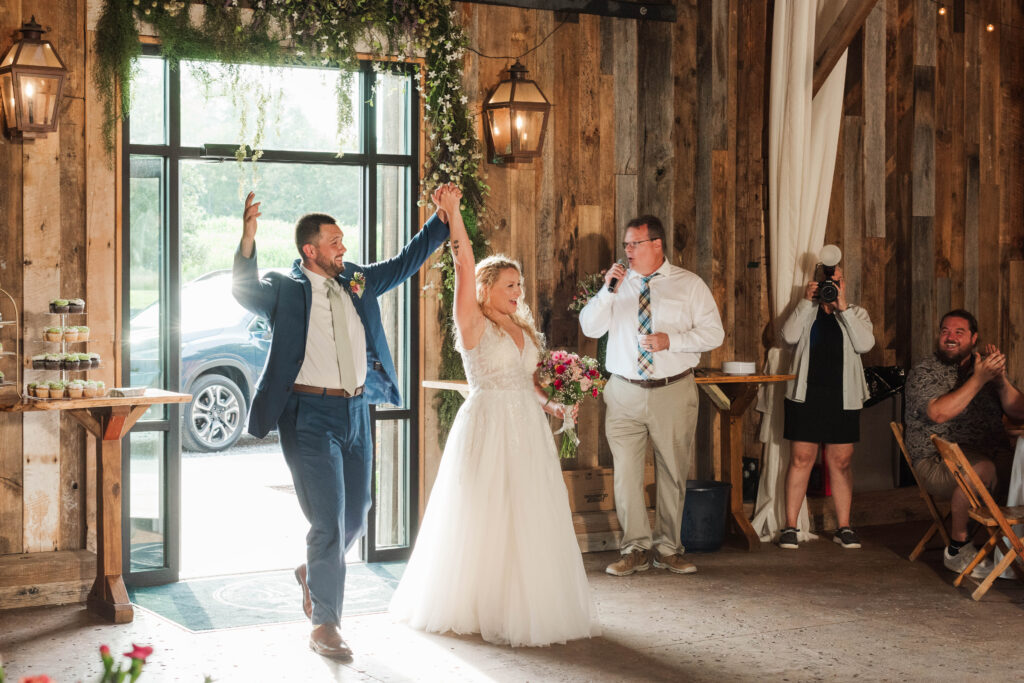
(496, 363)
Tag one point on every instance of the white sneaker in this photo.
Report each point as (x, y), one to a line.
(957, 563)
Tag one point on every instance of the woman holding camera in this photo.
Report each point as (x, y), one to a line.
(823, 403)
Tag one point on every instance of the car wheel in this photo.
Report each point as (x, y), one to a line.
(215, 418)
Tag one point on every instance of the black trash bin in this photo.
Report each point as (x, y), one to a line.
(705, 515)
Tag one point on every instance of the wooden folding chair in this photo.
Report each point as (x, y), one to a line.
(998, 520)
(938, 520)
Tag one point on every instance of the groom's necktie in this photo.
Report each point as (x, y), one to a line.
(342, 343)
(645, 359)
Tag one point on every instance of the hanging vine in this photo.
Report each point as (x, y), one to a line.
(321, 33)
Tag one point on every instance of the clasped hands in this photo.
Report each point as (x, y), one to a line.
(446, 198)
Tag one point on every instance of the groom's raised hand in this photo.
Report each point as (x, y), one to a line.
(249, 224)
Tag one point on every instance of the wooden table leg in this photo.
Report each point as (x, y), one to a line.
(732, 473)
(108, 596)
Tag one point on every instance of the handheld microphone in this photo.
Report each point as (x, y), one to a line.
(614, 282)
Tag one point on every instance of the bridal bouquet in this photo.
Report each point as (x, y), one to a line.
(568, 378)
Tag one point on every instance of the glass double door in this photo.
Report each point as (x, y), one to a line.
(183, 330)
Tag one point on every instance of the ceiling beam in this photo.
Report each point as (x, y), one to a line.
(623, 9)
(830, 47)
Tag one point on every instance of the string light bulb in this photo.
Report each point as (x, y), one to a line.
(942, 11)
(990, 28)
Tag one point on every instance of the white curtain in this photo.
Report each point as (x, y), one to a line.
(803, 137)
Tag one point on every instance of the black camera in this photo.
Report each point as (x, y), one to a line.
(824, 273)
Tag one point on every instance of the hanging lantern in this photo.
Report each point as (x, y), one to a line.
(31, 81)
(516, 117)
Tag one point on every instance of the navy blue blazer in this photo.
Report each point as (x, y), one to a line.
(285, 301)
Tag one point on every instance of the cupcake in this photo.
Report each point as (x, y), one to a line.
(76, 305)
(69, 361)
(83, 333)
(56, 389)
(71, 334)
(59, 305)
(89, 389)
(30, 388)
(42, 390)
(101, 388)
(52, 361)
(53, 334)
(84, 362)
(39, 361)
(94, 360)
(75, 389)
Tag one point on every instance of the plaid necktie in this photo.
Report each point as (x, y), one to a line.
(645, 359)
(342, 343)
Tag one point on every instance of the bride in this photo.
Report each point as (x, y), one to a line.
(496, 553)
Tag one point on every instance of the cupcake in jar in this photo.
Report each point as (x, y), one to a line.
(76, 305)
(75, 388)
(59, 305)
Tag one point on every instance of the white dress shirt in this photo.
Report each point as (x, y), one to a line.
(681, 306)
(320, 364)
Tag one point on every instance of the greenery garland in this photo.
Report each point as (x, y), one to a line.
(320, 33)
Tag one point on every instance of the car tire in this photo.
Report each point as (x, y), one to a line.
(216, 417)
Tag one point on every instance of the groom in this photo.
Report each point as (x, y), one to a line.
(329, 360)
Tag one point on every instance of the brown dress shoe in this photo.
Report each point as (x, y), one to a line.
(307, 601)
(633, 561)
(674, 563)
(326, 640)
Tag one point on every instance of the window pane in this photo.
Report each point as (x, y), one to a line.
(392, 234)
(147, 125)
(147, 359)
(146, 506)
(391, 104)
(392, 450)
(212, 198)
(219, 105)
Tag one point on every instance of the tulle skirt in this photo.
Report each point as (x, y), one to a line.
(496, 553)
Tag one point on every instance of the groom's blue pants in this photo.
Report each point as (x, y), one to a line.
(327, 445)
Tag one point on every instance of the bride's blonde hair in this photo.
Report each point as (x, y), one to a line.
(487, 272)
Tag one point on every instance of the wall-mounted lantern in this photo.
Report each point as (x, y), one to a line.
(31, 82)
(516, 117)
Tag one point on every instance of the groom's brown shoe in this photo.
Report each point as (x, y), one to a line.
(307, 601)
(326, 640)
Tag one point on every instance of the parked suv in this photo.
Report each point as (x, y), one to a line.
(223, 350)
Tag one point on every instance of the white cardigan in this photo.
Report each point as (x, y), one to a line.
(857, 339)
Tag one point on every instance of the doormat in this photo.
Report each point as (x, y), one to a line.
(265, 598)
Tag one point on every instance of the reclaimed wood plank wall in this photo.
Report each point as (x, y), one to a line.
(57, 238)
(926, 199)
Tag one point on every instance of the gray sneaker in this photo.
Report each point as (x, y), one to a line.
(958, 563)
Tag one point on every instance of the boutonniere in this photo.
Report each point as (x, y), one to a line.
(357, 285)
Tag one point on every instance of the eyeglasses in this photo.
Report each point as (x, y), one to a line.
(632, 245)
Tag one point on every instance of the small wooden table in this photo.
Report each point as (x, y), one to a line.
(108, 419)
(732, 395)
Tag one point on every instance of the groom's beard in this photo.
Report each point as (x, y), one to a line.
(328, 266)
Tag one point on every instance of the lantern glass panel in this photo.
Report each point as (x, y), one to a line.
(527, 91)
(7, 92)
(528, 127)
(38, 99)
(501, 94)
(38, 54)
(498, 127)
(9, 57)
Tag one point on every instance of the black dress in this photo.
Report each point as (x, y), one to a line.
(821, 417)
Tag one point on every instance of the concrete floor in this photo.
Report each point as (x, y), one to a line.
(819, 613)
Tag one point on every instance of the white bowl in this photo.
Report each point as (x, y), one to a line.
(736, 367)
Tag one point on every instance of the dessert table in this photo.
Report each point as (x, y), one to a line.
(108, 420)
(731, 395)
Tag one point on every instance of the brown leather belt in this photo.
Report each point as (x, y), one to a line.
(321, 391)
(655, 383)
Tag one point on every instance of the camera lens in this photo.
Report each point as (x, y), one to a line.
(828, 292)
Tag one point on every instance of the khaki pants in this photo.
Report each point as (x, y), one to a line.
(667, 416)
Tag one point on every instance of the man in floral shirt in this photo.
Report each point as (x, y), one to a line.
(961, 395)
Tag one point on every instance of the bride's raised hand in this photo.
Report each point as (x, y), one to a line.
(435, 198)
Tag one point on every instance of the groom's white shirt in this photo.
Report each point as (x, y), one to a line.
(320, 363)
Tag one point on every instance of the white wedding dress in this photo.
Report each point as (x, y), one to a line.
(496, 553)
